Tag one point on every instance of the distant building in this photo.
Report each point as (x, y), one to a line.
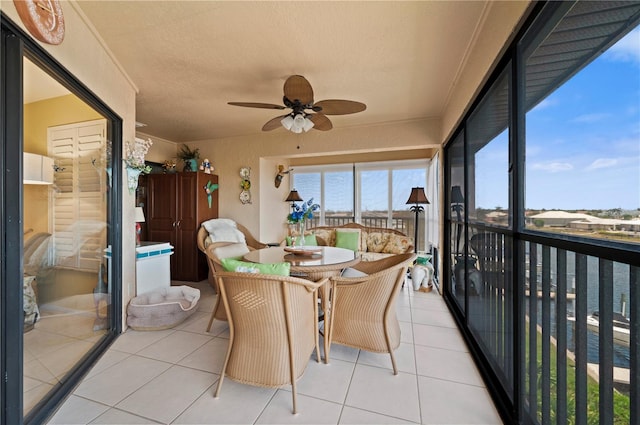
(585, 221)
(561, 218)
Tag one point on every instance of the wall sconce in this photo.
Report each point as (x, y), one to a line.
(417, 197)
(37, 169)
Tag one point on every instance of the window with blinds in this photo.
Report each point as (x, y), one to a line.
(373, 194)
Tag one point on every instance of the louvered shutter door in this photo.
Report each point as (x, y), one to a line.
(79, 216)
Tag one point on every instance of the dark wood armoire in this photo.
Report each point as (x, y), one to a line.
(177, 204)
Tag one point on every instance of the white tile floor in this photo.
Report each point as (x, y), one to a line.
(170, 376)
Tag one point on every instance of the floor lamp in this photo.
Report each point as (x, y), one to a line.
(417, 198)
(457, 204)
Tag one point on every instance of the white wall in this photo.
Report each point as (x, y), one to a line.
(161, 149)
(262, 152)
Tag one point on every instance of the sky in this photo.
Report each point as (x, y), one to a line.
(582, 148)
(582, 141)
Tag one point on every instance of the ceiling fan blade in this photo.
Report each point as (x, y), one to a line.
(273, 123)
(340, 107)
(256, 105)
(320, 122)
(297, 87)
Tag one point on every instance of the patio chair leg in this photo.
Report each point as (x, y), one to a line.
(219, 387)
(393, 362)
(393, 359)
(293, 393)
(211, 321)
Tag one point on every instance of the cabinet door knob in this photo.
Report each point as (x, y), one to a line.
(179, 222)
(173, 224)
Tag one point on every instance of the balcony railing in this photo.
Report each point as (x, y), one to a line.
(579, 326)
(578, 362)
(403, 224)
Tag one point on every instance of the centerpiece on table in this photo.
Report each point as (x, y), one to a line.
(299, 216)
(134, 153)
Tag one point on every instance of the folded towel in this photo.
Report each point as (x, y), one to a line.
(223, 230)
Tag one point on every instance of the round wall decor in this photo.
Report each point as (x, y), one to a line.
(43, 18)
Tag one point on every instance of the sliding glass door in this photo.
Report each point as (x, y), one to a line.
(60, 296)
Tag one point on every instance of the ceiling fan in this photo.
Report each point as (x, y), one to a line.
(306, 114)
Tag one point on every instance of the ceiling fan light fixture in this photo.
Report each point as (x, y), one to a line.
(287, 122)
(297, 124)
(298, 96)
(308, 124)
(298, 121)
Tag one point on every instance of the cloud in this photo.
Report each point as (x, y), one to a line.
(552, 167)
(602, 163)
(588, 118)
(627, 49)
(545, 103)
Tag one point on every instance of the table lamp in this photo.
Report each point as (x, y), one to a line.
(139, 218)
(293, 197)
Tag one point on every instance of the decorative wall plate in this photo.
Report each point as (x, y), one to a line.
(43, 19)
(245, 185)
(245, 197)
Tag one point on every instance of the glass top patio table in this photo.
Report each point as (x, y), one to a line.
(328, 258)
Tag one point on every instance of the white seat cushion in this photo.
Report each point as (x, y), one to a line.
(231, 250)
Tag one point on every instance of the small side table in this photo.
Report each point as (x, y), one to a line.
(153, 267)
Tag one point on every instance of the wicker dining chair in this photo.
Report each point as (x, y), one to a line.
(201, 238)
(363, 309)
(211, 250)
(273, 328)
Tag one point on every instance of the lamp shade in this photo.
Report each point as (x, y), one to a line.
(287, 122)
(308, 124)
(294, 196)
(456, 195)
(417, 196)
(139, 215)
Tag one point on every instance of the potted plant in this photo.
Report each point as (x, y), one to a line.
(190, 157)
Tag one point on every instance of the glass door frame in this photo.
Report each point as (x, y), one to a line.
(16, 45)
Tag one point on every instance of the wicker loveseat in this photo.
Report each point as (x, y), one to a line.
(375, 242)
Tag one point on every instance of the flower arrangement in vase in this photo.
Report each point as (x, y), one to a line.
(300, 214)
(134, 153)
(189, 157)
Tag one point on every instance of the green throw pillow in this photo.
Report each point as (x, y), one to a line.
(348, 240)
(278, 269)
(309, 240)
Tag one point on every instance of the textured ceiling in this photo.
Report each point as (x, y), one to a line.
(188, 59)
